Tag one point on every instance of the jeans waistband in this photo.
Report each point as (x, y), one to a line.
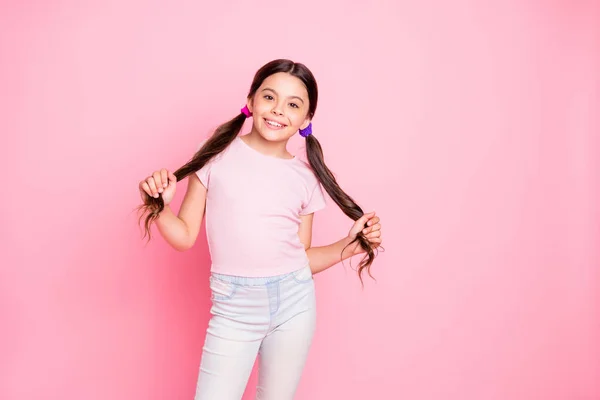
(252, 280)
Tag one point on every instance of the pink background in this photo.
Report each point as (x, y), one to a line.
(471, 129)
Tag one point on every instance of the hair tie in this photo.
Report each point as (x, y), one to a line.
(246, 112)
(306, 131)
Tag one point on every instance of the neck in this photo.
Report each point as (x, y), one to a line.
(267, 147)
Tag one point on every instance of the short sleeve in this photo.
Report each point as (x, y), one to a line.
(316, 201)
(204, 172)
(204, 175)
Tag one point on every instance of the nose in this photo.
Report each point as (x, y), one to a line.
(277, 110)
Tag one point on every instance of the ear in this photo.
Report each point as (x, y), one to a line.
(249, 103)
(305, 123)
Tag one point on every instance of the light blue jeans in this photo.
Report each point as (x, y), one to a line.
(273, 318)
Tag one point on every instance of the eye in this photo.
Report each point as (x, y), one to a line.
(294, 105)
(268, 97)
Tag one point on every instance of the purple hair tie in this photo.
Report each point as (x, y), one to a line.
(306, 131)
(246, 112)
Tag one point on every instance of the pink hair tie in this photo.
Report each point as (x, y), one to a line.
(246, 112)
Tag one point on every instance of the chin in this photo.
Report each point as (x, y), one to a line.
(274, 136)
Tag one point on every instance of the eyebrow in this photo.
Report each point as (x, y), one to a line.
(291, 97)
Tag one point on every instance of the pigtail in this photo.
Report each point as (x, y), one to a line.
(314, 154)
(219, 141)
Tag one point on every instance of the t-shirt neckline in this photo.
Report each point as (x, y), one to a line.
(265, 156)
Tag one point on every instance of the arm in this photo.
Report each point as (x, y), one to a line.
(322, 258)
(181, 230)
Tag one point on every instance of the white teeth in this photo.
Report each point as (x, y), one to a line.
(273, 123)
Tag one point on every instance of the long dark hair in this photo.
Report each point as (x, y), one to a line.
(226, 133)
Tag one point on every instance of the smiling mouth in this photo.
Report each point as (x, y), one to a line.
(274, 124)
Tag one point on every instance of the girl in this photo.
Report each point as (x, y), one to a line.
(259, 202)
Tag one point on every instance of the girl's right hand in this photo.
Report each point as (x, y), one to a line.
(160, 182)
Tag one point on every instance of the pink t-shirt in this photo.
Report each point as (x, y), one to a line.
(253, 208)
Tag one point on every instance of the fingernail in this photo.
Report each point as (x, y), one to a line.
(164, 185)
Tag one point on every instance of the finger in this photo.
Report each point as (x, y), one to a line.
(373, 220)
(153, 190)
(375, 227)
(158, 181)
(164, 176)
(146, 189)
(172, 178)
(374, 235)
(363, 220)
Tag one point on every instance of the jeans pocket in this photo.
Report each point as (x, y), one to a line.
(221, 290)
(303, 275)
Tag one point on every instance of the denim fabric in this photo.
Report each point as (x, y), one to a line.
(273, 318)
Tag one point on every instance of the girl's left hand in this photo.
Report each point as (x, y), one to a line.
(372, 231)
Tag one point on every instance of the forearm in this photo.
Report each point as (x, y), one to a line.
(321, 258)
(173, 229)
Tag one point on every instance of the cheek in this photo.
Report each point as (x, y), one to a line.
(297, 118)
(259, 105)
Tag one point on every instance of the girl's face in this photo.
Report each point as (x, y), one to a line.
(280, 107)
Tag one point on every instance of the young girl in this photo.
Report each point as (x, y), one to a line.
(259, 202)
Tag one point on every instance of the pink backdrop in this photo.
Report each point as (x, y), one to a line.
(471, 129)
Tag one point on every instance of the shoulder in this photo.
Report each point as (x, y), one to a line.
(303, 167)
(305, 171)
(221, 154)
